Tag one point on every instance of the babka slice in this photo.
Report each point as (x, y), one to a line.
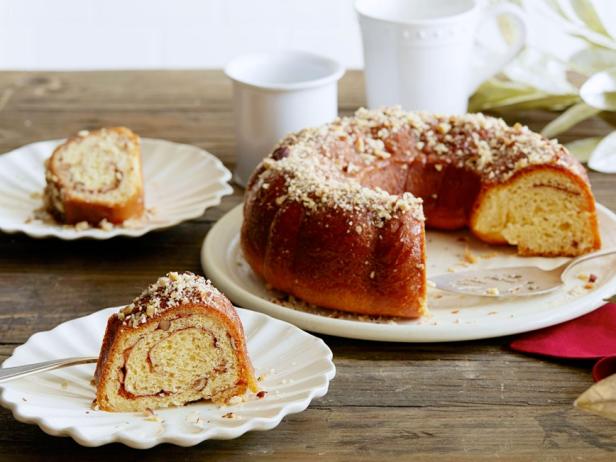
(181, 340)
(95, 176)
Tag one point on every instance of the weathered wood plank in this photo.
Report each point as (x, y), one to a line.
(342, 434)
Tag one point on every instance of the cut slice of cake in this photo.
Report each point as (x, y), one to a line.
(180, 341)
(95, 176)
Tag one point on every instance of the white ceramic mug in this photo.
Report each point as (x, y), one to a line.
(422, 54)
(277, 93)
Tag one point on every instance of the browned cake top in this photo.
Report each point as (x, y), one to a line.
(320, 164)
(167, 292)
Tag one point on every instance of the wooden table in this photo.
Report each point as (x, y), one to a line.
(464, 401)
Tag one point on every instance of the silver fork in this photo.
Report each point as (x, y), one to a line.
(521, 281)
(11, 373)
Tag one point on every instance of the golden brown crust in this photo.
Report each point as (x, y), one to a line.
(320, 222)
(72, 210)
(322, 263)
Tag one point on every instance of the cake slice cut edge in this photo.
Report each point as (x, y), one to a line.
(546, 211)
(95, 176)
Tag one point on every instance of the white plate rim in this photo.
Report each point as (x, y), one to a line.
(227, 228)
(223, 178)
(253, 424)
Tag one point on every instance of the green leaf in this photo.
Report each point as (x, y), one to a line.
(593, 59)
(572, 116)
(603, 158)
(606, 12)
(585, 10)
(498, 93)
(582, 149)
(563, 13)
(541, 71)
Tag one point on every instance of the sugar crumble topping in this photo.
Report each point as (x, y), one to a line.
(323, 166)
(311, 183)
(168, 292)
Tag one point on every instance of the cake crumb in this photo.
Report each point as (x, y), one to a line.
(151, 416)
(469, 257)
(229, 415)
(105, 225)
(234, 400)
(492, 291)
(82, 226)
(582, 277)
(196, 420)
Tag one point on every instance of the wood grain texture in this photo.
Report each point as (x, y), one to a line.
(466, 401)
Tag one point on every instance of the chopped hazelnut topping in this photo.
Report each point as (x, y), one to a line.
(322, 167)
(168, 292)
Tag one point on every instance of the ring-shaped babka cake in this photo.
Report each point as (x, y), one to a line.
(336, 215)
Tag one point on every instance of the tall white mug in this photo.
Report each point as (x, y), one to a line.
(423, 55)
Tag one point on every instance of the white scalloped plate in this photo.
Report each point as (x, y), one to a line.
(180, 182)
(296, 367)
(452, 317)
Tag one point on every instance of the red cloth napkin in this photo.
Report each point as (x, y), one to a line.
(592, 336)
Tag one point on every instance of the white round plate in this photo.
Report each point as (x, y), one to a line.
(295, 368)
(452, 317)
(180, 182)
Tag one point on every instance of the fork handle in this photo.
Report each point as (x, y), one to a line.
(10, 373)
(587, 257)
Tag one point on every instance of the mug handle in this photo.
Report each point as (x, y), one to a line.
(497, 62)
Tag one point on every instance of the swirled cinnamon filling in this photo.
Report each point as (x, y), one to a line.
(177, 359)
(97, 165)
